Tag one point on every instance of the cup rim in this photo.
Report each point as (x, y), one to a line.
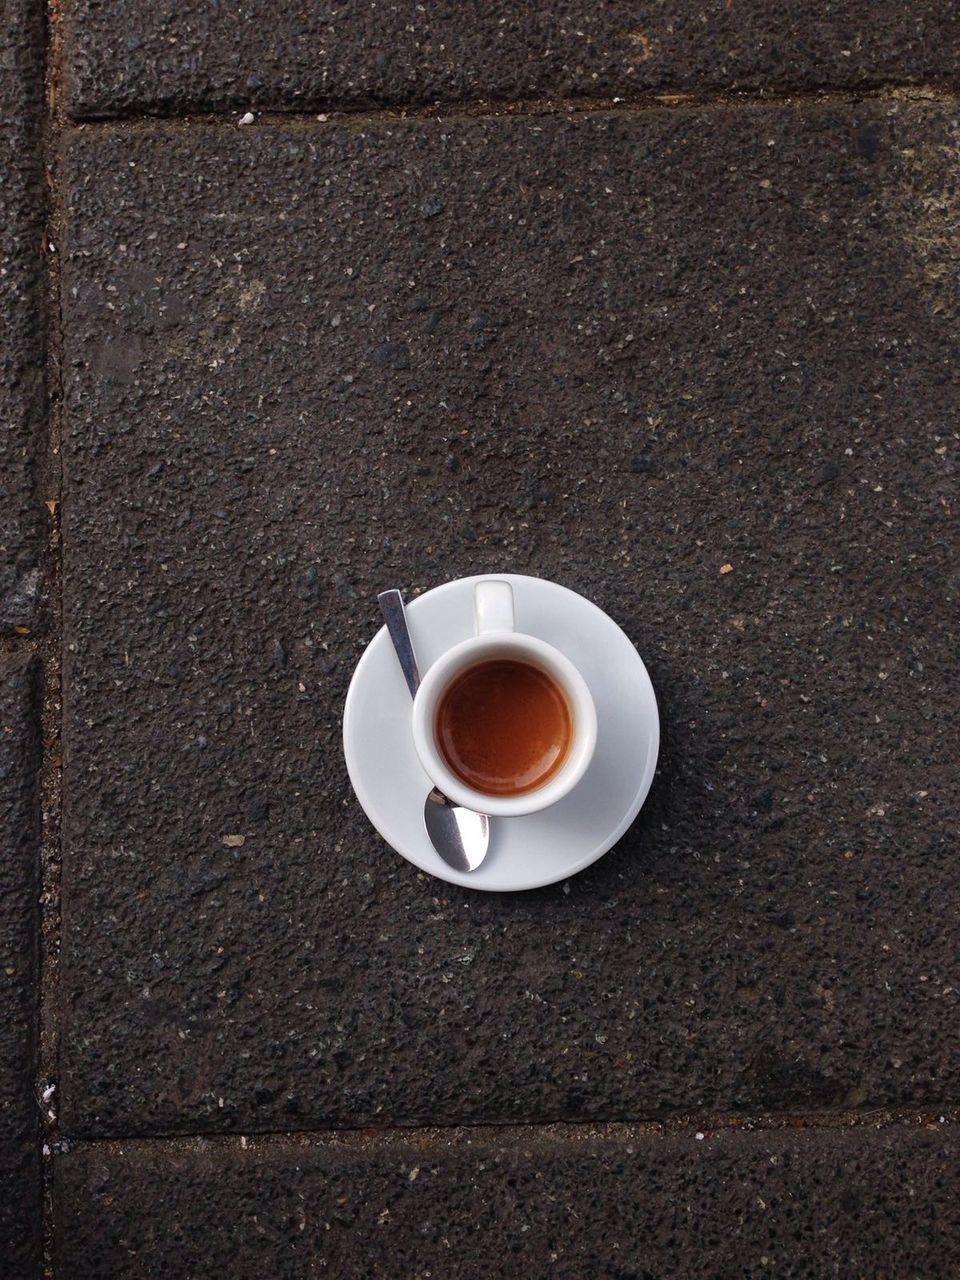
(559, 667)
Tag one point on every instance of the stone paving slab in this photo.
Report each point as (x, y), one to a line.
(849, 1203)
(171, 58)
(19, 880)
(628, 351)
(22, 214)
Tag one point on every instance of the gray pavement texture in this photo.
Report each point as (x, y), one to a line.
(124, 56)
(19, 880)
(699, 366)
(855, 1203)
(22, 215)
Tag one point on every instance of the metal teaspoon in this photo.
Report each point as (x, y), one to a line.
(459, 835)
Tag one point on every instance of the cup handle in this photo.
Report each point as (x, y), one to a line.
(493, 606)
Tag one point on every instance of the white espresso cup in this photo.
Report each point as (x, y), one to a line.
(496, 637)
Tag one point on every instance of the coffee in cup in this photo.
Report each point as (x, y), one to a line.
(504, 726)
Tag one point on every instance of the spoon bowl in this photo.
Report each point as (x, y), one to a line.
(459, 835)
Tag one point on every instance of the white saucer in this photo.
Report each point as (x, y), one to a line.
(540, 848)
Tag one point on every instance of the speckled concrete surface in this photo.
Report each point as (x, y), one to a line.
(697, 362)
(698, 366)
(170, 58)
(22, 523)
(22, 215)
(832, 1203)
(19, 880)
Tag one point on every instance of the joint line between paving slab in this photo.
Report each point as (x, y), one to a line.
(893, 92)
(49, 482)
(690, 1124)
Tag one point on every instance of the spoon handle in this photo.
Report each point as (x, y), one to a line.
(391, 606)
